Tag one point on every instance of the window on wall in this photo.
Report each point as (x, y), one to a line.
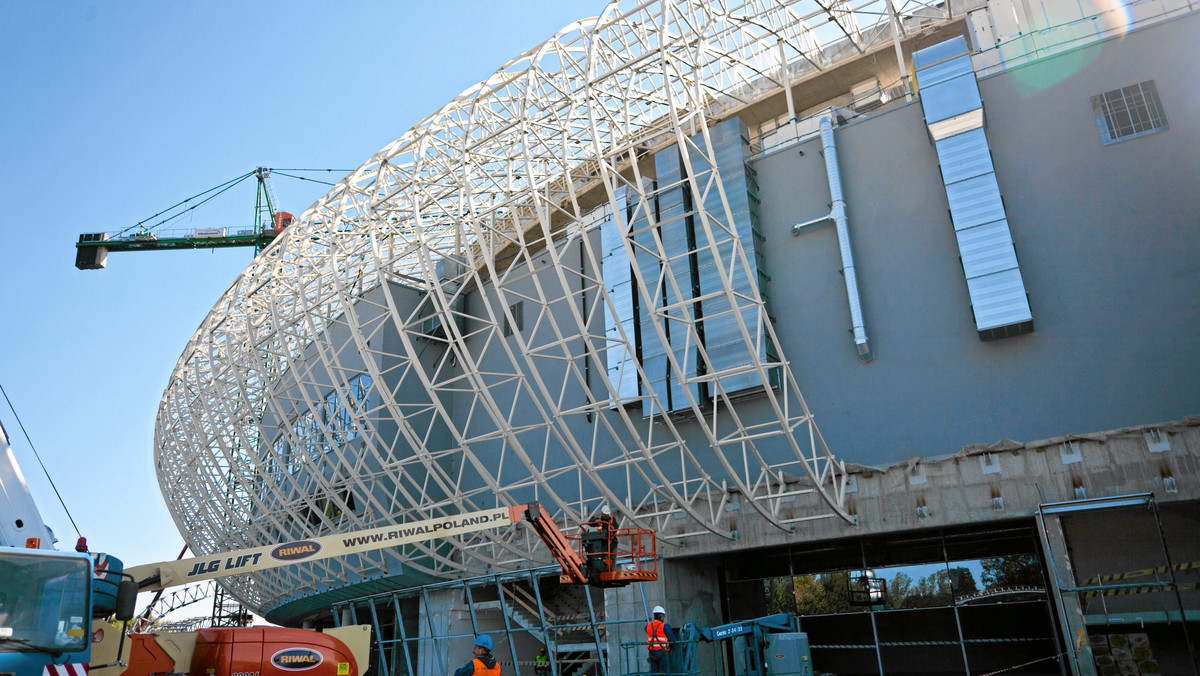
(1129, 112)
(330, 507)
(517, 310)
(308, 431)
(995, 579)
(341, 408)
(337, 412)
(282, 455)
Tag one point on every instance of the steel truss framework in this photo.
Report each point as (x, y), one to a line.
(481, 209)
(511, 608)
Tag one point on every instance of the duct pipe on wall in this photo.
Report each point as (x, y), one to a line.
(838, 216)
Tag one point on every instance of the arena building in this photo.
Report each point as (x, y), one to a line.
(884, 314)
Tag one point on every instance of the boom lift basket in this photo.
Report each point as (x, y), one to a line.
(598, 554)
(627, 555)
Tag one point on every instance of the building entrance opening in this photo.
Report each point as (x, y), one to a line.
(948, 601)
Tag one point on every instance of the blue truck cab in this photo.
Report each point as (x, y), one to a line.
(45, 612)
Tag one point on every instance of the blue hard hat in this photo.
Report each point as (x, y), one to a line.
(484, 641)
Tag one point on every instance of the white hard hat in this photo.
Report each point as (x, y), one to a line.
(659, 610)
(604, 510)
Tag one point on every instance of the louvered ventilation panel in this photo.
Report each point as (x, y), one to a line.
(955, 119)
(618, 281)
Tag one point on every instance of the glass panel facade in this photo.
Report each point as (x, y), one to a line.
(695, 242)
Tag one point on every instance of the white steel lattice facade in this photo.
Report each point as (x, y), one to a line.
(436, 335)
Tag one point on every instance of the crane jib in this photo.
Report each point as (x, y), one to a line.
(171, 573)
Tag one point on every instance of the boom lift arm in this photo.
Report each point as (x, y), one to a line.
(170, 653)
(570, 560)
(600, 554)
(155, 576)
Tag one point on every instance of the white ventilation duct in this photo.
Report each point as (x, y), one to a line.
(955, 119)
(837, 214)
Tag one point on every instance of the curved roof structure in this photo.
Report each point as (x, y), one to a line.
(431, 337)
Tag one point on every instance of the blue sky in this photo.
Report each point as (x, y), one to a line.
(113, 111)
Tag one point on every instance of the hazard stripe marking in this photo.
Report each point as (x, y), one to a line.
(65, 670)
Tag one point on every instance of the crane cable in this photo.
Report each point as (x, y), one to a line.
(220, 189)
(39, 459)
(279, 172)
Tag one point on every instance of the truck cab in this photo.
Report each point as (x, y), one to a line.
(45, 612)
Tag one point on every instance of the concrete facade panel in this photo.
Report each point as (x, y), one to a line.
(1106, 253)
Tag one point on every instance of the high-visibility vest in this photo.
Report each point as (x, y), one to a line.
(481, 670)
(656, 635)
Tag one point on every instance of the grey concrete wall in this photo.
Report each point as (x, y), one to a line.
(1106, 240)
(441, 616)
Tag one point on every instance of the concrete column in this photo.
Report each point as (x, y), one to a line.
(693, 595)
(438, 618)
(689, 591)
(692, 592)
(1070, 611)
(632, 604)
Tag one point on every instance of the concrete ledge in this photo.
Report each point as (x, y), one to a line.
(986, 482)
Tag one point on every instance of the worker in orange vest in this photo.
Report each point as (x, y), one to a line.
(483, 664)
(658, 641)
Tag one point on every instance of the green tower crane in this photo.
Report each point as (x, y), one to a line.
(92, 249)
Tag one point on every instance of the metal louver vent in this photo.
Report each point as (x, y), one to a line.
(619, 322)
(955, 119)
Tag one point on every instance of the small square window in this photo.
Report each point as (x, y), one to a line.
(517, 310)
(1128, 112)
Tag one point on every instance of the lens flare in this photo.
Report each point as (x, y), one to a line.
(1068, 30)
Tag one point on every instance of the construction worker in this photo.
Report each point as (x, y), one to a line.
(608, 526)
(608, 523)
(483, 664)
(599, 544)
(658, 641)
(541, 663)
